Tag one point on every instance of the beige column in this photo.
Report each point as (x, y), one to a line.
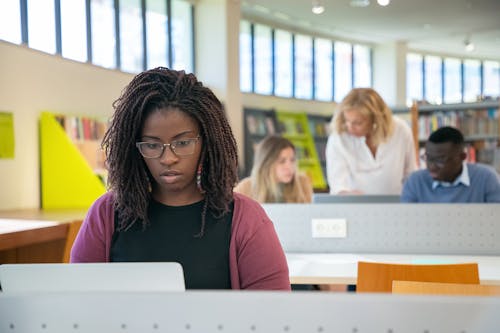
(217, 57)
(389, 72)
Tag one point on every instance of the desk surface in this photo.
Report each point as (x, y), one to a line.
(33, 235)
(341, 268)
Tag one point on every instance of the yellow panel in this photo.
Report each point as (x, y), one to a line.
(67, 180)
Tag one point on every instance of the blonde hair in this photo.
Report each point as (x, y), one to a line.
(264, 185)
(370, 104)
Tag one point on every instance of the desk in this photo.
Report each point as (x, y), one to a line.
(34, 236)
(341, 268)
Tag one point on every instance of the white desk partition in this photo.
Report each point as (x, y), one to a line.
(240, 312)
(471, 229)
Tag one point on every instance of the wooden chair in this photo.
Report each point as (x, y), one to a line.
(437, 288)
(378, 277)
(73, 228)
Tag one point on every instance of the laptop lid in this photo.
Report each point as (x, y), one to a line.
(150, 276)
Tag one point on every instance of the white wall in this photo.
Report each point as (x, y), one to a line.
(32, 81)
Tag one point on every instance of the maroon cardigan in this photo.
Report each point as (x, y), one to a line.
(256, 258)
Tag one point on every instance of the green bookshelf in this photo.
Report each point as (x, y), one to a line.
(295, 127)
(68, 172)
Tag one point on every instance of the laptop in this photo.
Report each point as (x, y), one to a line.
(364, 198)
(133, 276)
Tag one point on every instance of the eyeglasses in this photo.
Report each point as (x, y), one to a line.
(182, 147)
(437, 161)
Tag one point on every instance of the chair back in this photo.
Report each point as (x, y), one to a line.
(437, 288)
(378, 277)
(73, 229)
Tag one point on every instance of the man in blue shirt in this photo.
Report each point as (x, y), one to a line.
(448, 178)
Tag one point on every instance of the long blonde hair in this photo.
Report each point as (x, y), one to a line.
(370, 104)
(264, 186)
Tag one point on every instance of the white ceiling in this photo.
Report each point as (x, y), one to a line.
(435, 26)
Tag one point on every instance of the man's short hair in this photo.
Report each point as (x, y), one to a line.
(447, 134)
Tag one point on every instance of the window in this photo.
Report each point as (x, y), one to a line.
(491, 75)
(41, 25)
(323, 68)
(362, 66)
(414, 78)
(156, 33)
(452, 80)
(303, 66)
(182, 35)
(245, 56)
(343, 70)
(131, 42)
(103, 33)
(262, 58)
(73, 30)
(433, 79)
(10, 21)
(283, 63)
(472, 80)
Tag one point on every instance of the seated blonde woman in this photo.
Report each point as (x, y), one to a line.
(274, 177)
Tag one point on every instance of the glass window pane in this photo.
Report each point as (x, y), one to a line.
(433, 79)
(362, 66)
(41, 25)
(245, 57)
(472, 80)
(74, 30)
(283, 63)
(262, 58)
(323, 84)
(182, 36)
(10, 21)
(343, 70)
(452, 80)
(156, 33)
(303, 67)
(414, 78)
(131, 43)
(103, 33)
(491, 77)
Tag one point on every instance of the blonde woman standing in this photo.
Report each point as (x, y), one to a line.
(369, 150)
(274, 176)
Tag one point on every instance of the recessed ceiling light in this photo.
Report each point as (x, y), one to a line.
(317, 7)
(383, 2)
(359, 3)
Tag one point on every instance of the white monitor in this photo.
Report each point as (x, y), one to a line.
(150, 276)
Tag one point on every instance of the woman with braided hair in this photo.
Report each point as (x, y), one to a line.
(172, 163)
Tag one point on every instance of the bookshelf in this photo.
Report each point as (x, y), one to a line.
(479, 122)
(319, 128)
(72, 171)
(259, 123)
(295, 127)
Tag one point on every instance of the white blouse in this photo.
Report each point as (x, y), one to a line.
(350, 165)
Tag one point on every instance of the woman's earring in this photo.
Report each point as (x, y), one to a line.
(198, 179)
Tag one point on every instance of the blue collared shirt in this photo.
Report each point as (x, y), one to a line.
(463, 178)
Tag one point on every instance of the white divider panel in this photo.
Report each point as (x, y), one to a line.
(252, 312)
(472, 229)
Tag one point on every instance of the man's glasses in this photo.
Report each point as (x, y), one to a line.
(182, 147)
(437, 161)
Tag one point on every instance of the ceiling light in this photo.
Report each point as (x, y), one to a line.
(317, 7)
(469, 46)
(383, 2)
(359, 3)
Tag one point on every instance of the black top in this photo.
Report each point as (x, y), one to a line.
(170, 236)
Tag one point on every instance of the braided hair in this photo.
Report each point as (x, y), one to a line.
(129, 178)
